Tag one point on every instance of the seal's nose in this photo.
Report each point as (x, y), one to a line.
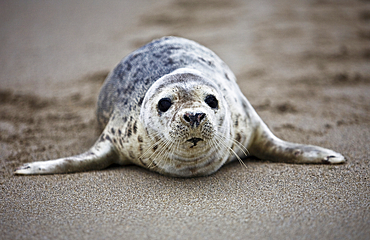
(192, 118)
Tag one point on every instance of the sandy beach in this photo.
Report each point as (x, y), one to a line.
(303, 65)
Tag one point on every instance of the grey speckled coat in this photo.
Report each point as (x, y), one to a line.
(186, 74)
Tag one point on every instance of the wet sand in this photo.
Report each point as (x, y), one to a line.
(304, 66)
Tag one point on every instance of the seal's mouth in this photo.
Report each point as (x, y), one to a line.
(194, 141)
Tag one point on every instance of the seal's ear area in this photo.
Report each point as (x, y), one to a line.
(100, 156)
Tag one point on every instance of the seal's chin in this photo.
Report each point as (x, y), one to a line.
(194, 141)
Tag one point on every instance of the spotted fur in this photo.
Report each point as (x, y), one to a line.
(192, 137)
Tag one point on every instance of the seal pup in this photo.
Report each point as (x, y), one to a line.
(174, 107)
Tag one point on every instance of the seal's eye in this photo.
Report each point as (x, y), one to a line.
(164, 104)
(211, 101)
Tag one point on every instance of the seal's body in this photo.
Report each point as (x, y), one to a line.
(174, 107)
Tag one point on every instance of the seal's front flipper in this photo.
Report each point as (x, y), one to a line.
(100, 156)
(268, 147)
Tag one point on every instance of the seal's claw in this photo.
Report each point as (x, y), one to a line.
(336, 158)
(25, 169)
(32, 168)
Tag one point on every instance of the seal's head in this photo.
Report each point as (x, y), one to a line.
(186, 114)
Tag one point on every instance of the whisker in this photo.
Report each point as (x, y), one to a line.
(176, 147)
(220, 149)
(151, 147)
(230, 149)
(158, 152)
(241, 146)
(159, 145)
(162, 150)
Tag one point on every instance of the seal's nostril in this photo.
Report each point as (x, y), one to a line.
(194, 119)
(186, 117)
(200, 116)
